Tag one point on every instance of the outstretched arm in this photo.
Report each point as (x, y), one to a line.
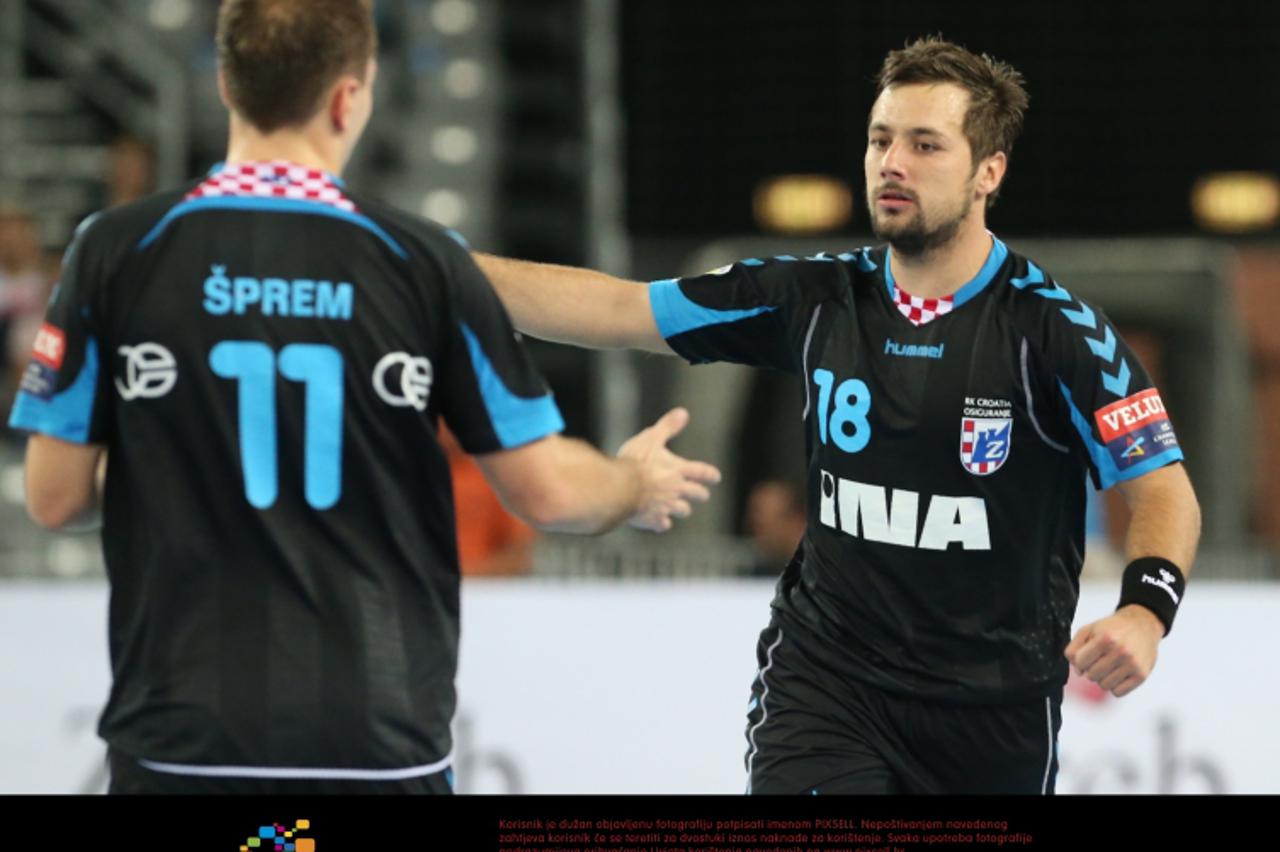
(1118, 652)
(571, 305)
(564, 485)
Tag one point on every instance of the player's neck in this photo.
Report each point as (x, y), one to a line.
(947, 268)
(295, 145)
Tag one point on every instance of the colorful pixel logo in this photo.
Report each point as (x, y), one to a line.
(277, 838)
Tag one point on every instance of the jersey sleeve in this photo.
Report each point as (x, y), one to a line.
(64, 393)
(753, 312)
(491, 393)
(1115, 412)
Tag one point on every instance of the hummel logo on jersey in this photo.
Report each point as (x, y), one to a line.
(150, 371)
(863, 510)
(911, 350)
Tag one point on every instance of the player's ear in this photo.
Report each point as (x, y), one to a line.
(222, 91)
(989, 174)
(341, 101)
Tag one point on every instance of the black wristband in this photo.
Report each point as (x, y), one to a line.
(1155, 583)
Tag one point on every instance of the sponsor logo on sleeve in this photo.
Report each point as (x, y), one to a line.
(40, 379)
(50, 346)
(1135, 428)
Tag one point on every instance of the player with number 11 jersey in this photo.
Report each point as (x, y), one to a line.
(266, 354)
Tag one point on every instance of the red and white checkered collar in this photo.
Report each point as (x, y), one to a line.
(274, 179)
(919, 310)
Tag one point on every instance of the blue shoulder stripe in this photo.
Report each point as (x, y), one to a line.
(66, 415)
(271, 205)
(1108, 473)
(1084, 318)
(675, 313)
(516, 420)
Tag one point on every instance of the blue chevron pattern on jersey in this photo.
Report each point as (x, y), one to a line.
(1084, 316)
(1116, 382)
(1106, 348)
(860, 257)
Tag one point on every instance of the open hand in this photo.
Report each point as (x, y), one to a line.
(669, 483)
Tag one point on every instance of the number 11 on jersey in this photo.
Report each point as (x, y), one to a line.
(847, 426)
(253, 365)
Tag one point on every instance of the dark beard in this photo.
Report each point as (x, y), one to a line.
(916, 241)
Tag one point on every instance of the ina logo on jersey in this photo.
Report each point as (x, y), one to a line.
(984, 443)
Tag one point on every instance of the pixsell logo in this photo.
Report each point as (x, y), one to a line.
(278, 838)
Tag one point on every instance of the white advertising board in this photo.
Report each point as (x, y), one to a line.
(641, 687)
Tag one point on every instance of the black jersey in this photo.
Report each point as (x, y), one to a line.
(947, 460)
(265, 356)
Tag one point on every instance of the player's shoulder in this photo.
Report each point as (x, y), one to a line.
(822, 276)
(1055, 321)
(866, 266)
(418, 236)
(128, 223)
(864, 262)
(1036, 298)
(107, 236)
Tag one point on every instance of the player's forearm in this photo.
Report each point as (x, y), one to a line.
(598, 493)
(1165, 519)
(566, 485)
(570, 305)
(63, 483)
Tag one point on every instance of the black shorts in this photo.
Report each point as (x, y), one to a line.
(810, 731)
(129, 776)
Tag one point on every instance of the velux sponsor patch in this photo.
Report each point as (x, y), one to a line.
(50, 346)
(1135, 428)
(41, 374)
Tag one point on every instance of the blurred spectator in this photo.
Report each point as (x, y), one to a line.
(775, 520)
(133, 171)
(491, 541)
(24, 281)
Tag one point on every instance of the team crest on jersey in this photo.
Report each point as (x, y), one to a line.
(984, 443)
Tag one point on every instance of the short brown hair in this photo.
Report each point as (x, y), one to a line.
(997, 99)
(279, 56)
